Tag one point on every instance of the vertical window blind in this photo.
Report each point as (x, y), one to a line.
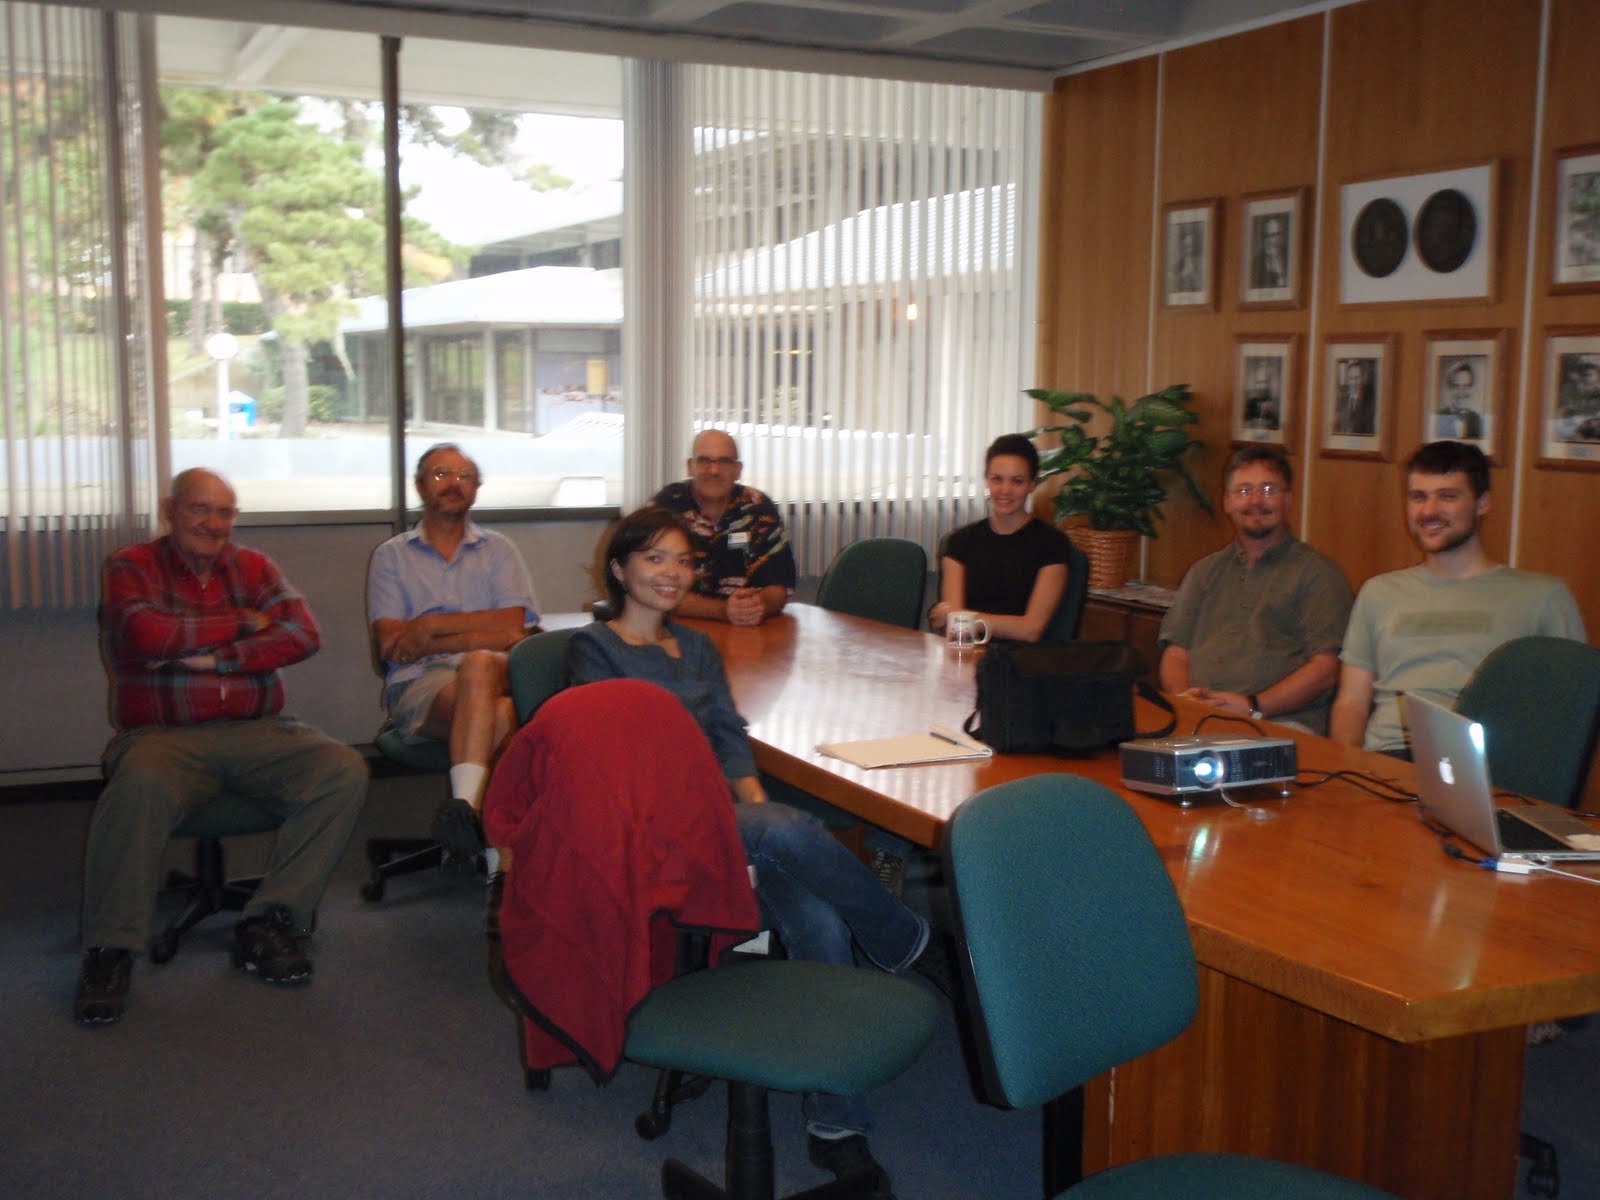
(74, 437)
(863, 282)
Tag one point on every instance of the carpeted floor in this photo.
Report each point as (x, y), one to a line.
(394, 1074)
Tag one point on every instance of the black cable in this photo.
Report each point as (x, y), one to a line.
(1383, 789)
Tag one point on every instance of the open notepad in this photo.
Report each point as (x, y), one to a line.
(937, 745)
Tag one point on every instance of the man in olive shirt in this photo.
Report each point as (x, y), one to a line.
(1256, 627)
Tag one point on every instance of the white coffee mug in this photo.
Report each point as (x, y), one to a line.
(964, 630)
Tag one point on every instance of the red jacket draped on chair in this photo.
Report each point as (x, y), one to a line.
(621, 831)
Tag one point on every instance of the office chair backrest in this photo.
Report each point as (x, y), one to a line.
(881, 578)
(538, 669)
(1063, 625)
(1078, 951)
(1538, 699)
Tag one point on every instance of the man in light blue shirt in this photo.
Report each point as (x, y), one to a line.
(447, 600)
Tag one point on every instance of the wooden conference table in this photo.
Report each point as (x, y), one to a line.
(1363, 996)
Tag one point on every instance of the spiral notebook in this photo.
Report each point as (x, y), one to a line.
(937, 745)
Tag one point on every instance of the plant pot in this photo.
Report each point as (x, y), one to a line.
(1109, 550)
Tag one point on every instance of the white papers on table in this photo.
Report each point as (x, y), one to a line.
(937, 745)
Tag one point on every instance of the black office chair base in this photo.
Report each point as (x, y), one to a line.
(749, 1161)
(672, 1089)
(210, 891)
(1544, 1174)
(388, 857)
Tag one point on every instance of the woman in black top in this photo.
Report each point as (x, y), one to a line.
(1010, 568)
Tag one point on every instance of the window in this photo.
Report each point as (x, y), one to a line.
(273, 165)
(75, 444)
(862, 282)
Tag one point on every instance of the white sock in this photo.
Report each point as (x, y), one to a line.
(467, 781)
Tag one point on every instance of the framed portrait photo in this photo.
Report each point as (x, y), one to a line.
(1358, 383)
(1570, 428)
(1271, 237)
(1264, 388)
(1189, 254)
(1577, 223)
(1464, 387)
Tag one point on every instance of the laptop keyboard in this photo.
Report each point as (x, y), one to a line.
(1517, 834)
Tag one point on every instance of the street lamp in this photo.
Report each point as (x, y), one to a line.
(222, 347)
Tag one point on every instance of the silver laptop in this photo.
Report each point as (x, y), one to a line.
(1453, 785)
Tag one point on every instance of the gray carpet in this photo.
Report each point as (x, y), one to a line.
(395, 1074)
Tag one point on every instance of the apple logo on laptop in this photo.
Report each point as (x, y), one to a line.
(1446, 771)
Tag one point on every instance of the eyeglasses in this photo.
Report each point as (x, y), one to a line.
(204, 512)
(1243, 491)
(445, 475)
(704, 462)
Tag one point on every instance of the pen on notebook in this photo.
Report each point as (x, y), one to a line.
(946, 737)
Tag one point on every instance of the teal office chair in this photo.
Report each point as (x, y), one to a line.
(209, 888)
(775, 1025)
(1075, 971)
(881, 578)
(1063, 625)
(1538, 699)
(538, 668)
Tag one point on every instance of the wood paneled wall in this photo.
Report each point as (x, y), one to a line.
(1385, 87)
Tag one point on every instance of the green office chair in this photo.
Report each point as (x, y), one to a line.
(881, 578)
(775, 1025)
(1063, 625)
(1538, 699)
(1075, 971)
(538, 668)
(209, 888)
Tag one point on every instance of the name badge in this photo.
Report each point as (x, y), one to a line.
(740, 538)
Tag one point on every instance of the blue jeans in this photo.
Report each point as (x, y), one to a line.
(820, 897)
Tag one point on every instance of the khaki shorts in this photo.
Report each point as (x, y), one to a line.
(409, 703)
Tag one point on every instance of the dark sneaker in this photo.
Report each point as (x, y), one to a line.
(102, 986)
(456, 827)
(849, 1158)
(890, 870)
(266, 945)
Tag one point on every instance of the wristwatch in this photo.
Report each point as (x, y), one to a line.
(1255, 708)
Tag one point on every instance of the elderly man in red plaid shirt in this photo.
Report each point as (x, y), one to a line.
(195, 631)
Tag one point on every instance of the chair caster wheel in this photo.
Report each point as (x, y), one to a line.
(536, 1079)
(651, 1125)
(162, 948)
(372, 891)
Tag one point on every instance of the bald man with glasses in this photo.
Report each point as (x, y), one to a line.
(1256, 628)
(744, 569)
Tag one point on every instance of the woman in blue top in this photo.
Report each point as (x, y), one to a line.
(814, 892)
(1010, 568)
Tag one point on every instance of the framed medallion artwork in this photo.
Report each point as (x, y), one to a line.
(1358, 390)
(1570, 428)
(1189, 254)
(1264, 388)
(1577, 220)
(1464, 388)
(1419, 237)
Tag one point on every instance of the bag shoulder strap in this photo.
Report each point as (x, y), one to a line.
(1148, 692)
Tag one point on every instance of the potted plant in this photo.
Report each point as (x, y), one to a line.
(1117, 477)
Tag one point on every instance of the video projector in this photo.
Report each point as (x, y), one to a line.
(1186, 766)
